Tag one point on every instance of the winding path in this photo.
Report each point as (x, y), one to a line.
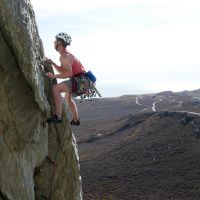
(154, 105)
(160, 100)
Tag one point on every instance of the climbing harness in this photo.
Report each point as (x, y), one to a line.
(83, 85)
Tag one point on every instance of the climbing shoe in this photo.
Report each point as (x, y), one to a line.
(75, 123)
(54, 119)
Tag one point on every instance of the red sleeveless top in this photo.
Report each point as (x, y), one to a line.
(77, 67)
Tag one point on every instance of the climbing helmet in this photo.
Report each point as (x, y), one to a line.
(65, 37)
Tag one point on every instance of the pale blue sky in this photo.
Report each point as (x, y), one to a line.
(132, 46)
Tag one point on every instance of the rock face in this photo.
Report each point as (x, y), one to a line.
(37, 160)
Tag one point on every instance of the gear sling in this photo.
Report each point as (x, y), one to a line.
(83, 85)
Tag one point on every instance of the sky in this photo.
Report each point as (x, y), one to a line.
(132, 46)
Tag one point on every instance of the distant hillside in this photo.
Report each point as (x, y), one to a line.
(141, 147)
(149, 157)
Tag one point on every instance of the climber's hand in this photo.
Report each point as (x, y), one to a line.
(50, 75)
(47, 60)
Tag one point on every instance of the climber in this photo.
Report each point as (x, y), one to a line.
(70, 66)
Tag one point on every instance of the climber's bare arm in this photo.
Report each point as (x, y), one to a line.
(57, 68)
(66, 72)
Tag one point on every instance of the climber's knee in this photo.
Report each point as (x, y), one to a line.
(58, 88)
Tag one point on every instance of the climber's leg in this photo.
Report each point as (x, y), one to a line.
(73, 109)
(57, 90)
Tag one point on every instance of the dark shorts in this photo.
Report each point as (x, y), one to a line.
(68, 82)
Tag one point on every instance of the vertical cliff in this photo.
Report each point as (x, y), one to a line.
(37, 160)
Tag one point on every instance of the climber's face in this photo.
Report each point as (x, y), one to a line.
(57, 44)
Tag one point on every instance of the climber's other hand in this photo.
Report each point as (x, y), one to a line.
(50, 75)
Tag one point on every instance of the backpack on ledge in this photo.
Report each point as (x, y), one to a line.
(83, 85)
